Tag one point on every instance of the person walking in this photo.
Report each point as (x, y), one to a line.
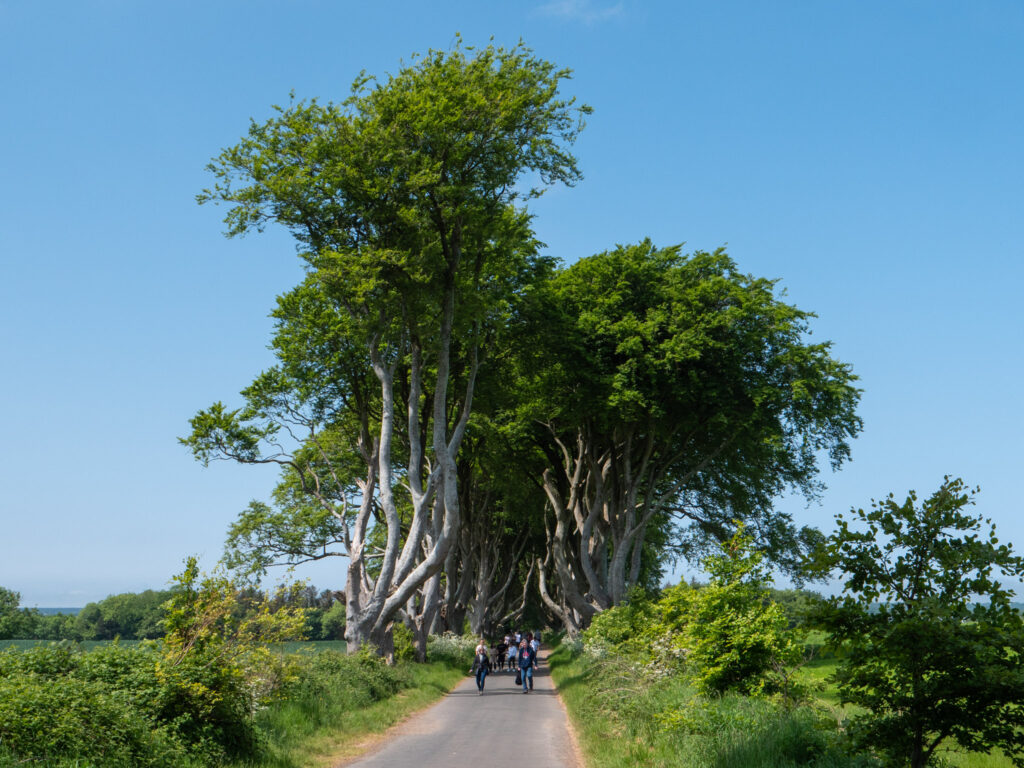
(500, 650)
(527, 661)
(512, 649)
(481, 665)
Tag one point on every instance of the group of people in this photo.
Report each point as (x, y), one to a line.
(517, 650)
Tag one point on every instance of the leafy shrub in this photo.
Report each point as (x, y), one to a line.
(49, 660)
(451, 648)
(326, 683)
(405, 647)
(78, 719)
(626, 629)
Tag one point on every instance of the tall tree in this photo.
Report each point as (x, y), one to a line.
(402, 200)
(671, 390)
(933, 647)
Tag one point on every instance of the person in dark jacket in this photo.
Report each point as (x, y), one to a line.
(527, 661)
(481, 666)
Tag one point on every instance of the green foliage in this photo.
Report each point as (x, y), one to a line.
(405, 648)
(119, 706)
(130, 616)
(356, 679)
(797, 604)
(933, 648)
(79, 719)
(729, 633)
(332, 625)
(737, 637)
(60, 684)
(788, 739)
(627, 629)
(456, 650)
(15, 622)
(625, 719)
(704, 386)
(213, 615)
(216, 667)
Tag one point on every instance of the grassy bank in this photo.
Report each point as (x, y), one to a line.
(624, 718)
(126, 705)
(314, 729)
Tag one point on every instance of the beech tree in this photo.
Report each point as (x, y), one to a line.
(675, 393)
(402, 200)
(933, 649)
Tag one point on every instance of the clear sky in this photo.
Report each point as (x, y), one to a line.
(870, 155)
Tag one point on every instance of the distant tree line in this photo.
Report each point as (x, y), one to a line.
(141, 615)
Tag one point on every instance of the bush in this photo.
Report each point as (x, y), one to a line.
(404, 640)
(451, 648)
(203, 706)
(324, 684)
(78, 719)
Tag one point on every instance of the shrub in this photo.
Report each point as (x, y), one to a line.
(49, 660)
(78, 719)
(737, 638)
(405, 647)
(451, 648)
(626, 629)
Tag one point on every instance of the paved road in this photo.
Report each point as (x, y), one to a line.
(504, 728)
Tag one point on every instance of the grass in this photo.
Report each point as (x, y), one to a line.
(300, 646)
(85, 645)
(337, 732)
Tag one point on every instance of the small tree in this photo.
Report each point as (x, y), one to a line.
(933, 647)
(11, 619)
(737, 637)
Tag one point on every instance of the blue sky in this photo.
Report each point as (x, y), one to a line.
(868, 154)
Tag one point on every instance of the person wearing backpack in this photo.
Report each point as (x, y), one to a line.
(527, 661)
(481, 666)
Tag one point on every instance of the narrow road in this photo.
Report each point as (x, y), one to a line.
(503, 728)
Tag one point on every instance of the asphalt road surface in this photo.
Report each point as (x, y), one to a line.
(503, 728)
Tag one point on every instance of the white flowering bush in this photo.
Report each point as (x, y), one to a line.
(456, 649)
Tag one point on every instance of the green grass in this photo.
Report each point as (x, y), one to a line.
(304, 734)
(623, 720)
(300, 646)
(85, 645)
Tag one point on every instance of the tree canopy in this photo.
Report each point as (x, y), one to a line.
(933, 647)
(456, 414)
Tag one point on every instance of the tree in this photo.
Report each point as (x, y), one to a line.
(403, 202)
(130, 616)
(672, 395)
(12, 620)
(933, 648)
(737, 636)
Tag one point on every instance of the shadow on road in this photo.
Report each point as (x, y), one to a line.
(503, 683)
